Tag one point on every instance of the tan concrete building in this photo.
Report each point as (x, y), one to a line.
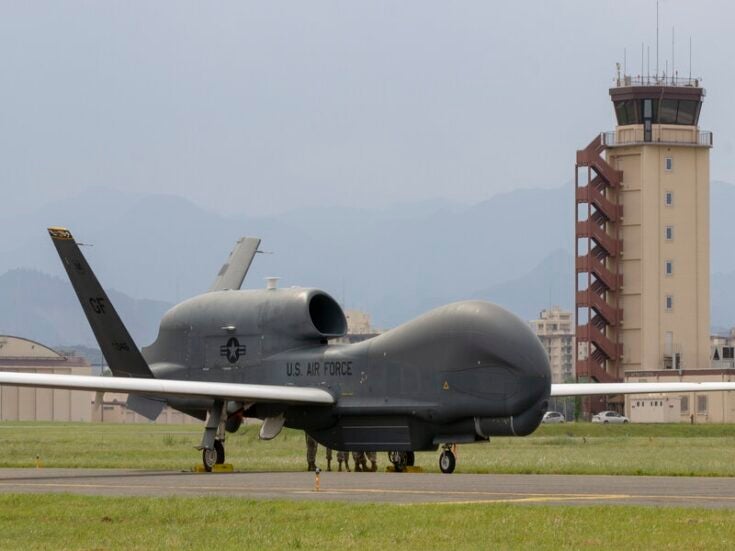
(642, 235)
(110, 408)
(359, 328)
(722, 351)
(694, 407)
(41, 404)
(656, 408)
(555, 330)
(689, 407)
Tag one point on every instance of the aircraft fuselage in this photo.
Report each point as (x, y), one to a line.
(460, 373)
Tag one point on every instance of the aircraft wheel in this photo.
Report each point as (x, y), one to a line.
(215, 456)
(399, 460)
(447, 461)
(219, 447)
(410, 459)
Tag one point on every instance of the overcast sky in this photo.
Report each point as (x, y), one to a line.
(269, 106)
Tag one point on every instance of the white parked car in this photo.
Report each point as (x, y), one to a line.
(609, 417)
(553, 417)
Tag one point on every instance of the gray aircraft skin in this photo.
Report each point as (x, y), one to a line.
(460, 373)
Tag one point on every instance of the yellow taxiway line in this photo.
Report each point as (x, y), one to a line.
(491, 497)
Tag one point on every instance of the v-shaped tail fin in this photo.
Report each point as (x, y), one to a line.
(123, 357)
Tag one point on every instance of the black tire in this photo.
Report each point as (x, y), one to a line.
(215, 456)
(625, 422)
(399, 460)
(209, 459)
(410, 459)
(447, 462)
(219, 447)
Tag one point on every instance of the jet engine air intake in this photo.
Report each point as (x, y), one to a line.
(327, 316)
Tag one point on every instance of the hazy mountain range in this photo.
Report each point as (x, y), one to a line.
(514, 249)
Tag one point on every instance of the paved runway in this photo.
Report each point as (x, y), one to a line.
(383, 487)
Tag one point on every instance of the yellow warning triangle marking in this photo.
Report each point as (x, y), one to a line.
(445, 386)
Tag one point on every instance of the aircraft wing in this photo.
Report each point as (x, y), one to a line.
(590, 389)
(233, 272)
(163, 387)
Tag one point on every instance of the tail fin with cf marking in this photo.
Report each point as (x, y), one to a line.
(123, 357)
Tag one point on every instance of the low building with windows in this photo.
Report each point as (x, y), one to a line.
(688, 407)
(722, 350)
(661, 408)
(693, 407)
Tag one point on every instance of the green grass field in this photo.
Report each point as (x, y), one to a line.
(82, 522)
(61, 521)
(681, 450)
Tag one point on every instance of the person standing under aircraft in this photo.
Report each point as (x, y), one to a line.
(361, 459)
(311, 447)
(373, 458)
(343, 457)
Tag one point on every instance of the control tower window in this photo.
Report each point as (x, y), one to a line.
(667, 111)
(687, 113)
(627, 112)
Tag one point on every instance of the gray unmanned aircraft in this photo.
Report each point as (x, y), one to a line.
(460, 373)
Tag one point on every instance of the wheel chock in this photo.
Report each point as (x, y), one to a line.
(392, 469)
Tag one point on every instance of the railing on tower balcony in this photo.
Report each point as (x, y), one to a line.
(657, 80)
(665, 135)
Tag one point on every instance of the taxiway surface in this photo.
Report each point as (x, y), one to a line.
(383, 487)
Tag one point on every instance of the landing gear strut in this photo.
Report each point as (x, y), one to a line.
(448, 458)
(401, 460)
(212, 446)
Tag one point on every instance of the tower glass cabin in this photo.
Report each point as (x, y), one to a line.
(642, 235)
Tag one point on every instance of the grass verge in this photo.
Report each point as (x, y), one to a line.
(45, 521)
(678, 450)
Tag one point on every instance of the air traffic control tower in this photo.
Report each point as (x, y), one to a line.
(642, 235)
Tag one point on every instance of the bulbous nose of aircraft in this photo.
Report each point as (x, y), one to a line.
(483, 360)
(500, 336)
(501, 376)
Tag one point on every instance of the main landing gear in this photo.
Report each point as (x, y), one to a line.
(213, 439)
(448, 458)
(401, 460)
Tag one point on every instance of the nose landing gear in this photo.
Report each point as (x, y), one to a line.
(215, 456)
(212, 446)
(448, 458)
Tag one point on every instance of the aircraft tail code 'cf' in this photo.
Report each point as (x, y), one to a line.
(123, 357)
